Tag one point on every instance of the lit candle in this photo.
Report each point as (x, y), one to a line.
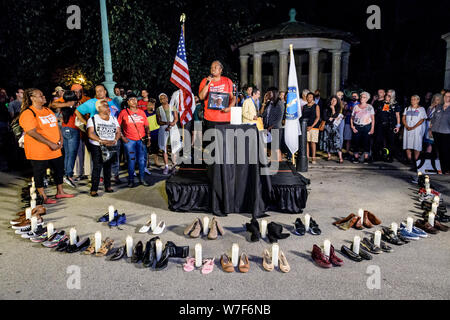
(275, 251)
(198, 255)
(394, 227)
(73, 236)
(98, 240)
(158, 245)
(356, 242)
(419, 173)
(32, 190)
(434, 207)
(436, 199)
(32, 180)
(409, 224)
(33, 223)
(377, 239)
(33, 204)
(111, 213)
(50, 229)
(28, 213)
(263, 228)
(153, 221)
(129, 242)
(33, 196)
(48, 171)
(428, 190)
(205, 225)
(326, 247)
(307, 219)
(427, 183)
(431, 218)
(361, 214)
(235, 254)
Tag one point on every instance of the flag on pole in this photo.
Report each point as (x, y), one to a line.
(180, 78)
(293, 110)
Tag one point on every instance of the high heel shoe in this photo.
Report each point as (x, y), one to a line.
(283, 263)
(267, 261)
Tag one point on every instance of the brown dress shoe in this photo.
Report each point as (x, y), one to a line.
(425, 226)
(372, 218)
(212, 234)
(366, 221)
(40, 210)
(358, 224)
(351, 215)
(227, 266)
(244, 264)
(440, 226)
(350, 223)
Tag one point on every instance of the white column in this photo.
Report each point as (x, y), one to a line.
(446, 37)
(257, 69)
(345, 61)
(335, 71)
(275, 67)
(313, 69)
(244, 70)
(283, 69)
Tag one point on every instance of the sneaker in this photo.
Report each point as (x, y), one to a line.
(39, 231)
(27, 223)
(43, 237)
(105, 217)
(166, 170)
(118, 220)
(147, 171)
(54, 240)
(69, 181)
(370, 246)
(417, 231)
(299, 227)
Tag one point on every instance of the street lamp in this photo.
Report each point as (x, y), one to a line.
(109, 83)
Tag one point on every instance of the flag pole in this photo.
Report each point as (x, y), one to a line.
(291, 52)
(182, 20)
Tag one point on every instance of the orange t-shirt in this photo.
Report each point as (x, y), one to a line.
(224, 85)
(46, 125)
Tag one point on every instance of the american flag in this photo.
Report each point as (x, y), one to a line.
(180, 78)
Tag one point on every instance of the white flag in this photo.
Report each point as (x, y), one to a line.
(293, 109)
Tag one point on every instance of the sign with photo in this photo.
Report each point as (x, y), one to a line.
(218, 100)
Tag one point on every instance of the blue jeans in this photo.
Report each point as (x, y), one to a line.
(136, 150)
(71, 143)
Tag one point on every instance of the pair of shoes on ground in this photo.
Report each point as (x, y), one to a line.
(253, 228)
(195, 229)
(25, 225)
(206, 268)
(54, 240)
(22, 222)
(148, 256)
(439, 216)
(80, 245)
(268, 264)
(26, 233)
(352, 220)
(116, 221)
(324, 261)
(300, 228)
(389, 236)
(275, 232)
(227, 265)
(104, 249)
(363, 254)
(40, 209)
(158, 229)
(428, 228)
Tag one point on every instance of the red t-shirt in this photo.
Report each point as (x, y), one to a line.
(224, 85)
(125, 120)
(142, 105)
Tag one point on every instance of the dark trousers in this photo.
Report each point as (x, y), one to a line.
(361, 139)
(98, 164)
(442, 143)
(384, 139)
(40, 168)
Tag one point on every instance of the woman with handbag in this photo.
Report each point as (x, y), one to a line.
(104, 132)
(135, 137)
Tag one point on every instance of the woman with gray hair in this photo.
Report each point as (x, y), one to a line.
(413, 118)
(363, 124)
(436, 100)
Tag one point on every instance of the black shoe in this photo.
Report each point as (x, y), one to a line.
(350, 254)
(389, 236)
(109, 190)
(363, 253)
(299, 227)
(385, 247)
(150, 253)
(79, 246)
(369, 246)
(117, 180)
(118, 254)
(253, 228)
(402, 238)
(177, 252)
(274, 232)
(62, 246)
(131, 184)
(164, 261)
(137, 252)
(314, 227)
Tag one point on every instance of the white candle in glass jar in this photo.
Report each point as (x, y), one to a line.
(73, 236)
(33, 204)
(205, 225)
(198, 255)
(28, 213)
(158, 246)
(129, 243)
(275, 253)
(111, 213)
(33, 223)
(356, 242)
(98, 241)
(431, 217)
(377, 238)
(394, 227)
(409, 224)
(50, 229)
(235, 254)
(153, 218)
(307, 220)
(327, 247)
(263, 228)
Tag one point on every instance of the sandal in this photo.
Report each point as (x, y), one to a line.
(90, 249)
(105, 247)
(189, 265)
(208, 265)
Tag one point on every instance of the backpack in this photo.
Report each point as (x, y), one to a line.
(16, 129)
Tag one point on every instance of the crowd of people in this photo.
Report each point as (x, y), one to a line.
(78, 136)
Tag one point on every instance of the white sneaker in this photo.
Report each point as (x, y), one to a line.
(159, 228)
(69, 181)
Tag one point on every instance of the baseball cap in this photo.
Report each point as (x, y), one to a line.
(76, 87)
(58, 88)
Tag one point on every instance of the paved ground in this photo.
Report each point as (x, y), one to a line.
(417, 270)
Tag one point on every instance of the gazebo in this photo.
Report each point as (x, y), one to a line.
(321, 56)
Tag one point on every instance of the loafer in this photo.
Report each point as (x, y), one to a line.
(79, 246)
(439, 226)
(372, 218)
(347, 225)
(62, 245)
(227, 266)
(385, 248)
(138, 252)
(319, 258)
(149, 256)
(350, 254)
(267, 261)
(425, 226)
(363, 253)
(164, 261)
(389, 236)
(299, 227)
(314, 228)
(407, 235)
(118, 254)
(177, 251)
(369, 246)
(334, 259)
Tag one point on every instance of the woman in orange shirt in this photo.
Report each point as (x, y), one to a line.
(42, 142)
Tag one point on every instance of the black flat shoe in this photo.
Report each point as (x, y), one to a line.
(369, 246)
(79, 246)
(299, 227)
(314, 228)
(363, 253)
(150, 253)
(177, 252)
(62, 246)
(164, 261)
(137, 253)
(118, 254)
(389, 236)
(350, 254)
